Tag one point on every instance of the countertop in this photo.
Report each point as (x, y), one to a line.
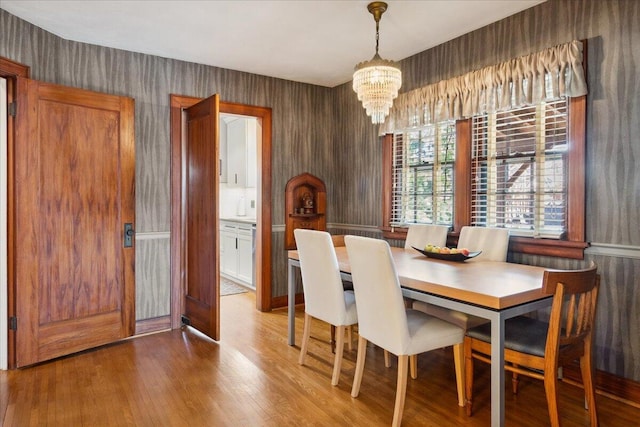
(242, 219)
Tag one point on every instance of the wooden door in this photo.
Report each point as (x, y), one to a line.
(200, 190)
(73, 191)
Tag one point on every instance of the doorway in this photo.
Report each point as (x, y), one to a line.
(263, 201)
(239, 137)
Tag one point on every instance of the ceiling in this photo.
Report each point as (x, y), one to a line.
(317, 42)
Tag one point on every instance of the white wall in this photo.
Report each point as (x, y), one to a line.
(3, 224)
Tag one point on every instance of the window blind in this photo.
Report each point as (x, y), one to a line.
(519, 170)
(422, 175)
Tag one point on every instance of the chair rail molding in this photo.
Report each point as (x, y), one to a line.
(613, 250)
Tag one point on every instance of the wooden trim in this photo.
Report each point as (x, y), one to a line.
(387, 179)
(283, 300)
(263, 243)
(606, 384)
(10, 68)
(462, 201)
(156, 324)
(577, 169)
(177, 104)
(547, 247)
(263, 232)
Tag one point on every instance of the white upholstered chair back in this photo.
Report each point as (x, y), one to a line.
(382, 317)
(419, 235)
(493, 242)
(322, 286)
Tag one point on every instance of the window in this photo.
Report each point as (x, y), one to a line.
(422, 189)
(521, 169)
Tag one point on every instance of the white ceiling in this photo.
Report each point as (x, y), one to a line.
(316, 42)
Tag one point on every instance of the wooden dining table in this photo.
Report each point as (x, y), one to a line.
(492, 290)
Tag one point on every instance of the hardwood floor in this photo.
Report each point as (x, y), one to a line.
(252, 378)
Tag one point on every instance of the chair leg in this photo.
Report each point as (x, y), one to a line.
(357, 378)
(515, 380)
(337, 362)
(458, 361)
(401, 390)
(586, 369)
(305, 338)
(413, 366)
(333, 339)
(350, 337)
(468, 380)
(550, 383)
(387, 359)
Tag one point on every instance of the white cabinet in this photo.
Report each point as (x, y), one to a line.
(228, 249)
(236, 251)
(245, 254)
(241, 159)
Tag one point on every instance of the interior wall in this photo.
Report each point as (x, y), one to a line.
(612, 31)
(301, 123)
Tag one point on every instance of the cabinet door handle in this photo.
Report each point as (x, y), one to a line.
(236, 178)
(236, 243)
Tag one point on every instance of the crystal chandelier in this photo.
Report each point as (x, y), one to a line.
(377, 81)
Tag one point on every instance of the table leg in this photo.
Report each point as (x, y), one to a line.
(291, 289)
(497, 371)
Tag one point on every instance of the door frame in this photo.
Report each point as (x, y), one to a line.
(10, 70)
(263, 225)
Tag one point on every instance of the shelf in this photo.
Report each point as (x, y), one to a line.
(304, 191)
(312, 215)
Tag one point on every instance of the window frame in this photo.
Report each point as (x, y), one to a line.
(572, 246)
(435, 168)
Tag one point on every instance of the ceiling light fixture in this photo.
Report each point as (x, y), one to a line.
(377, 81)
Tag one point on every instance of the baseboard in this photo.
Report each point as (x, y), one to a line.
(153, 325)
(607, 384)
(283, 301)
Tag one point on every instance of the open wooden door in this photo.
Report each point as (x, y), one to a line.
(200, 202)
(72, 192)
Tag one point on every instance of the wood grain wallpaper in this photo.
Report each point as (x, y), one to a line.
(326, 132)
(612, 31)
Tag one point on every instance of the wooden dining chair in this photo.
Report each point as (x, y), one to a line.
(384, 321)
(538, 348)
(324, 296)
(419, 235)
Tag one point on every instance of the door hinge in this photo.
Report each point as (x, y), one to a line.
(11, 109)
(13, 323)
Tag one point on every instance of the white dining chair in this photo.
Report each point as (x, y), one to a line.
(419, 235)
(324, 296)
(384, 321)
(494, 243)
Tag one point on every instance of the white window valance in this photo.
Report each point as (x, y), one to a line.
(527, 80)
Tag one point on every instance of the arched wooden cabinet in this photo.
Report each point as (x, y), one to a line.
(305, 206)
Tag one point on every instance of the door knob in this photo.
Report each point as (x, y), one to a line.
(129, 232)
